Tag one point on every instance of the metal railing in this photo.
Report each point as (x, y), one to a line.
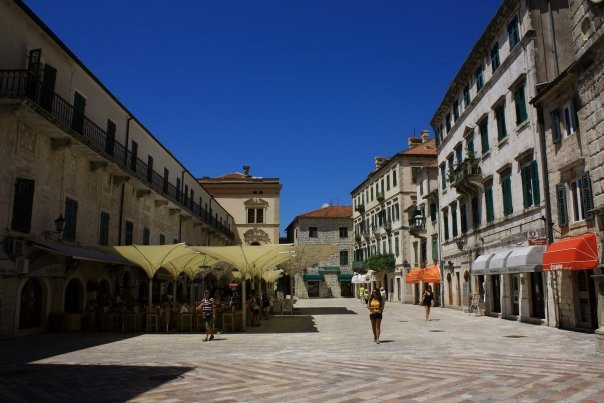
(19, 84)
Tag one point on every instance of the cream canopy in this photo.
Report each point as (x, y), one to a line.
(272, 275)
(151, 257)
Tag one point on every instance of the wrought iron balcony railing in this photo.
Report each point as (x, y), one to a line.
(19, 84)
(466, 177)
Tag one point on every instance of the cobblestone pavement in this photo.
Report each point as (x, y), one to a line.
(325, 352)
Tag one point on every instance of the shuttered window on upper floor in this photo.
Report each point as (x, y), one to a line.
(23, 202)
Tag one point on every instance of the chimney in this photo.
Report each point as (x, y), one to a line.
(425, 135)
(379, 161)
(246, 170)
(414, 141)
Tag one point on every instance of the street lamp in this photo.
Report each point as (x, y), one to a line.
(60, 223)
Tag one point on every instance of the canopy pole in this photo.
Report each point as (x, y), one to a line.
(191, 292)
(149, 304)
(243, 307)
(174, 293)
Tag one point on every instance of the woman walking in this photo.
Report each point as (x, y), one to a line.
(427, 299)
(376, 306)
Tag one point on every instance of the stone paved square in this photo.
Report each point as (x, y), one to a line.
(323, 353)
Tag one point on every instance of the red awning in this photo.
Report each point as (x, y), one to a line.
(413, 277)
(576, 253)
(431, 274)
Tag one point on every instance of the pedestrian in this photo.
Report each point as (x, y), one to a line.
(383, 294)
(362, 294)
(367, 296)
(376, 306)
(266, 305)
(208, 314)
(427, 299)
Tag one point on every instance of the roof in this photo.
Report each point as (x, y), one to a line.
(236, 177)
(330, 212)
(427, 148)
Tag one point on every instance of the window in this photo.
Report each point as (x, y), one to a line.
(343, 258)
(488, 201)
(178, 189)
(506, 190)
(495, 57)
(396, 212)
(71, 219)
(475, 212)
(129, 233)
(434, 248)
(415, 254)
(186, 193)
(313, 232)
(458, 155)
(421, 188)
(166, 180)
(110, 137)
(387, 182)
(397, 249)
(146, 236)
(446, 224)
(456, 110)
(581, 198)
(484, 136)
(104, 229)
(500, 117)
(133, 155)
(570, 119)
(443, 176)
(149, 168)
(432, 212)
(371, 192)
(448, 122)
(454, 220)
(162, 239)
(23, 203)
(255, 215)
(343, 232)
(577, 213)
(382, 186)
(79, 107)
(450, 161)
(394, 178)
(520, 103)
(414, 173)
(466, 96)
(463, 218)
(478, 76)
(530, 184)
(555, 123)
(470, 146)
(513, 33)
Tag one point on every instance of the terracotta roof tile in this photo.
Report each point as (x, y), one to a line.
(427, 148)
(330, 212)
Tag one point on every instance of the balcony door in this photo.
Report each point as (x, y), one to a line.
(48, 87)
(79, 107)
(313, 289)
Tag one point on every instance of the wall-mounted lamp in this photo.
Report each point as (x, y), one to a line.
(60, 223)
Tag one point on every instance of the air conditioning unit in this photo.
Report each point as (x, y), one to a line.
(16, 247)
(22, 265)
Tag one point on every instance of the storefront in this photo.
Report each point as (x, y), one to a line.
(512, 283)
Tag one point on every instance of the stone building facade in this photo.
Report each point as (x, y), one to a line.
(380, 215)
(572, 133)
(254, 203)
(491, 187)
(330, 225)
(74, 157)
(423, 228)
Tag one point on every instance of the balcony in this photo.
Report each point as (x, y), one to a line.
(360, 209)
(466, 177)
(359, 265)
(417, 224)
(380, 197)
(17, 84)
(366, 234)
(357, 238)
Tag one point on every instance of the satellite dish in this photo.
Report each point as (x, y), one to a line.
(325, 205)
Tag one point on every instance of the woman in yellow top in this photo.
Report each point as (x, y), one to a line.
(376, 306)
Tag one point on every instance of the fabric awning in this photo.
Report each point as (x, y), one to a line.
(576, 253)
(345, 277)
(151, 257)
(78, 252)
(413, 277)
(498, 262)
(525, 259)
(431, 274)
(313, 277)
(480, 266)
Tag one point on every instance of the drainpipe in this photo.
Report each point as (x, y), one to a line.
(121, 217)
(553, 38)
(182, 186)
(210, 232)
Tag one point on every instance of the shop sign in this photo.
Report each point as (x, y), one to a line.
(50, 271)
(538, 241)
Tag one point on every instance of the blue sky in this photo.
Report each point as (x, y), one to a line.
(308, 91)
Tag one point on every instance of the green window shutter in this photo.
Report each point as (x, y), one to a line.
(520, 104)
(446, 225)
(71, 215)
(535, 180)
(526, 186)
(484, 136)
(434, 248)
(501, 129)
(454, 221)
(488, 199)
(588, 198)
(506, 187)
(562, 205)
(556, 132)
(475, 212)
(104, 229)
(463, 216)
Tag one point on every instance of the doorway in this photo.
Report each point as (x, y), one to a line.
(74, 295)
(515, 294)
(313, 289)
(449, 289)
(346, 289)
(30, 312)
(458, 289)
(398, 289)
(586, 297)
(537, 299)
(496, 293)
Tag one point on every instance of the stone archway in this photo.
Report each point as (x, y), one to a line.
(256, 236)
(74, 297)
(31, 304)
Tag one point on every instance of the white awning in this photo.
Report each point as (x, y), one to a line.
(80, 253)
(498, 262)
(480, 266)
(525, 259)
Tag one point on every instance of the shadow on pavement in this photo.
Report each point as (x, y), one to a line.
(324, 311)
(50, 382)
(23, 350)
(285, 324)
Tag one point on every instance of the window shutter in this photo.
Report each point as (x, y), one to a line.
(562, 206)
(576, 104)
(22, 205)
(463, 215)
(506, 186)
(488, 198)
(556, 132)
(588, 197)
(526, 185)
(535, 178)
